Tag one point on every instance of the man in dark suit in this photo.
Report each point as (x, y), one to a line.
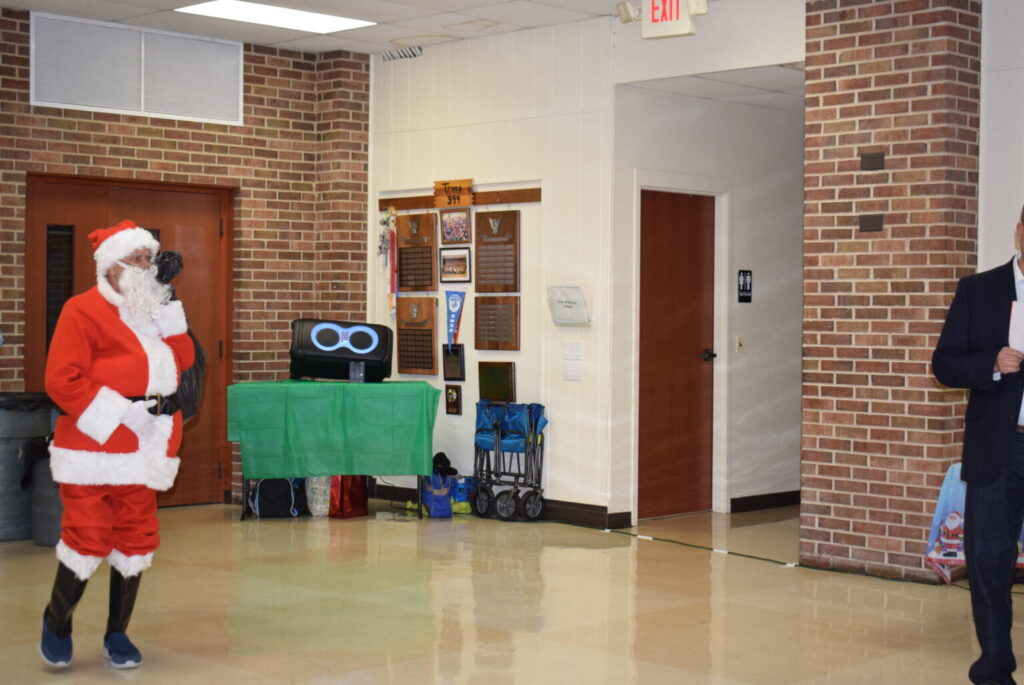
(973, 352)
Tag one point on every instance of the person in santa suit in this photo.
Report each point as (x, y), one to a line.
(113, 368)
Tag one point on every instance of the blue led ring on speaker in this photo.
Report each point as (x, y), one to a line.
(344, 333)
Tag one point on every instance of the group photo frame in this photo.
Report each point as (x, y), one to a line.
(454, 264)
(455, 226)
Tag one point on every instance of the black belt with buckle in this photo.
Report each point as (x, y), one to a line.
(165, 404)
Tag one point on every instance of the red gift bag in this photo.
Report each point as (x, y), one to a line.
(348, 497)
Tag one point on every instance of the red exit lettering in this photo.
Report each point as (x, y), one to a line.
(665, 10)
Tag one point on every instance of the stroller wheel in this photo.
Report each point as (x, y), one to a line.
(531, 505)
(506, 505)
(482, 503)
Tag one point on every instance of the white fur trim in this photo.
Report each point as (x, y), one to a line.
(82, 564)
(109, 294)
(103, 415)
(129, 566)
(163, 370)
(171, 319)
(149, 466)
(119, 246)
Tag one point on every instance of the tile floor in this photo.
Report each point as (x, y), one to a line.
(392, 599)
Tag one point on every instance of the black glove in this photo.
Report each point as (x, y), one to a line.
(168, 265)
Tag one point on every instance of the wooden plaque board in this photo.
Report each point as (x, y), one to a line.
(417, 335)
(497, 322)
(453, 399)
(457, 193)
(497, 252)
(416, 236)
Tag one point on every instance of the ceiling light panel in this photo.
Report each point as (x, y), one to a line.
(269, 15)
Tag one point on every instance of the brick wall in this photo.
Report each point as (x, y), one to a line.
(902, 78)
(299, 162)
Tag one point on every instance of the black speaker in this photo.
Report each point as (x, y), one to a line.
(336, 349)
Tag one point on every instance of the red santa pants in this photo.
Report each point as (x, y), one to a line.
(98, 519)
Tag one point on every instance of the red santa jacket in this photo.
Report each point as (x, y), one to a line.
(96, 361)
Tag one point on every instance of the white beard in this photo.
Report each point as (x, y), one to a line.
(143, 295)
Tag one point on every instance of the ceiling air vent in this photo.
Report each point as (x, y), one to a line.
(99, 66)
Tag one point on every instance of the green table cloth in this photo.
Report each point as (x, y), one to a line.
(295, 428)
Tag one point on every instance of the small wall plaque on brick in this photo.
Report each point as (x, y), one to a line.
(871, 222)
(872, 161)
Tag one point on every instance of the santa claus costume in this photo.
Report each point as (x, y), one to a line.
(113, 368)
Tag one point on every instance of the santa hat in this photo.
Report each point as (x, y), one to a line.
(112, 244)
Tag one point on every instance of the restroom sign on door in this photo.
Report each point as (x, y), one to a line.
(664, 18)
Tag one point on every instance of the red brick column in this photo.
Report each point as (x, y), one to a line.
(899, 78)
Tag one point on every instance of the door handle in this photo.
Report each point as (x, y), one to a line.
(708, 354)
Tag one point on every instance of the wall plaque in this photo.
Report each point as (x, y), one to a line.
(497, 252)
(417, 335)
(458, 193)
(453, 399)
(497, 322)
(416, 236)
(497, 381)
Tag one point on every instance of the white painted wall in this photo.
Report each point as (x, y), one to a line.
(522, 109)
(750, 159)
(734, 34)
(1001, 164)
(539, 107)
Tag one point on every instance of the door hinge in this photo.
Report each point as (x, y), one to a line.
(222, 228)
(220, 349)
(220, 470)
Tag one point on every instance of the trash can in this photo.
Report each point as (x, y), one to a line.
(23, 415)
(38, 479)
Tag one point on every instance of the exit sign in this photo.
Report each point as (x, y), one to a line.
(664, 18)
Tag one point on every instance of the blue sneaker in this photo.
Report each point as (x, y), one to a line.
(56, 651)
(120, 651)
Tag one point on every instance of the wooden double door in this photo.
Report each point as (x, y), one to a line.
(195, 221)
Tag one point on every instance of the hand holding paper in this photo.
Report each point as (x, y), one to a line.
(1017, 326)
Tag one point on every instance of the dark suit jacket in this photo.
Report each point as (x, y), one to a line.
(977, 327)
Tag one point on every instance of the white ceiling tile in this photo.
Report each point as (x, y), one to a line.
(765, 78)
(594, 7)
(385, 34)
(793, 103)
(100, 10)
(447, 5)
(367, 10)
(331, 43)
(525, 13)
(460, 25)
(218, 28)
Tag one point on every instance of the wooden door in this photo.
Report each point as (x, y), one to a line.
(677, 252)
(60, 213)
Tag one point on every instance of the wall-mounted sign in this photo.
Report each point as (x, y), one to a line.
(568, 307)
(457, 193)
(745, 285)
(664, 18)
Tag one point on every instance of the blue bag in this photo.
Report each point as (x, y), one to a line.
(435, 495)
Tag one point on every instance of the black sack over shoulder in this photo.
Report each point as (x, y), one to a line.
(190, 389)
(278, 497)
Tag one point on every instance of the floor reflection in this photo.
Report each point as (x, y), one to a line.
(392, 599)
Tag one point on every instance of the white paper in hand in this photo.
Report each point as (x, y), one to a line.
(1017, 326)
